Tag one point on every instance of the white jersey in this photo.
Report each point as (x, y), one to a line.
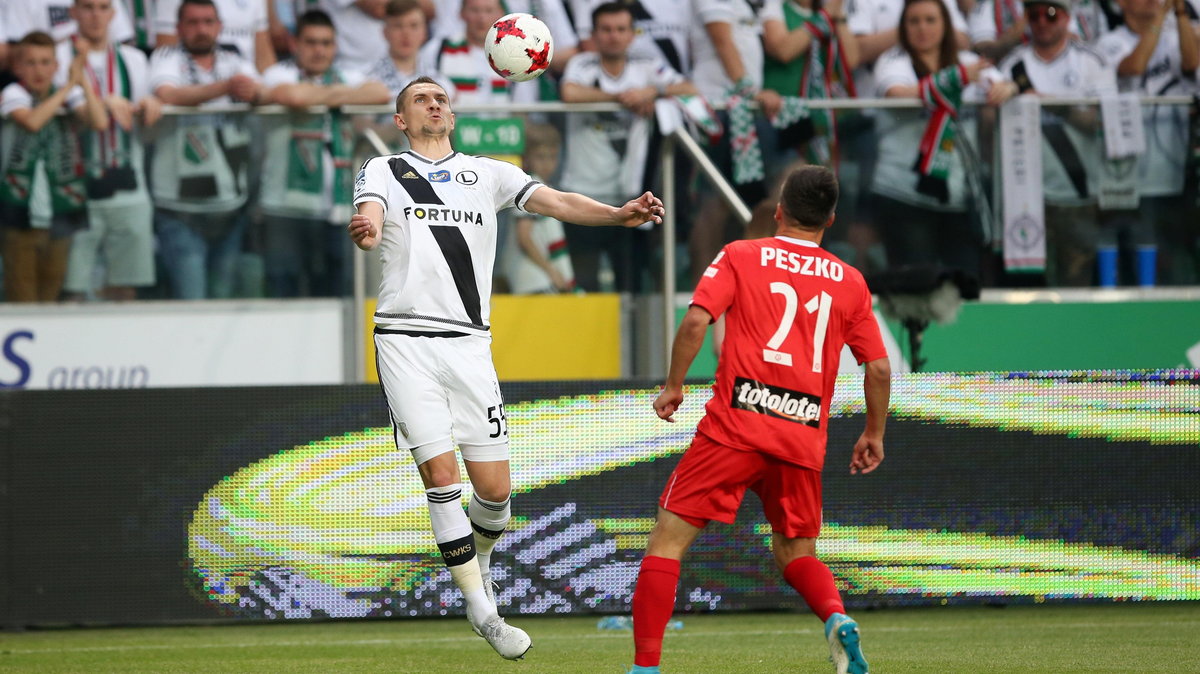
(606, 151)
(707, 72)
(1077, 71)
(22, 17)
(360, 40)
(662, 28)
(241, 20)
(199, 160)
(438, 242)
(900, 133)
(1161, 169)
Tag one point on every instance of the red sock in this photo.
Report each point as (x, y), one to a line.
(653, 604)
(814, 581)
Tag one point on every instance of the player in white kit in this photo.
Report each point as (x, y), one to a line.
(431, 211)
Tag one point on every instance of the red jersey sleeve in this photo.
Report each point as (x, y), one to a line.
(862, 332)
(714, 293)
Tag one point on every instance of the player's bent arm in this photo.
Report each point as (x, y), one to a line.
(581, 210)
(570, 207)
(366, 226)
(688, 340)
(687, 344)
(877, 387)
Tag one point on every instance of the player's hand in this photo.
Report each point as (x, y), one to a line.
(868, 454)
(667, 402)
(362, 231)
(646, 208)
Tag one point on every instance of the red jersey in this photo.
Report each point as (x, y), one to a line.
(789, 308)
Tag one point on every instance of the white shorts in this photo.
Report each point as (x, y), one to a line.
(442, 391)
(125, 232)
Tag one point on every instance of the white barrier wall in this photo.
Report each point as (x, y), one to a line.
(170, 344)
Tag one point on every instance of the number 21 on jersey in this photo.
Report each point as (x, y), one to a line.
(818, 304)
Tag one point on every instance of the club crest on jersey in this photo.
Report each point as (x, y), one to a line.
(443, 216)
(466, 177)
(439, 177)
(776, 401)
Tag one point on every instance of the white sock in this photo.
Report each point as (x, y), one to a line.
(488, 519)
(452, 531)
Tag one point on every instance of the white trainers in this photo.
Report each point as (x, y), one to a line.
(489, 588)
(844, 650)
(510, 642)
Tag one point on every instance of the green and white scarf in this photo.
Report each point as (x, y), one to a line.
(942, 93)
(312, 136)
(822, 73)
(55, 146)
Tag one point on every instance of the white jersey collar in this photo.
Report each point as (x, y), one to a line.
(435, 162)
(798, 242)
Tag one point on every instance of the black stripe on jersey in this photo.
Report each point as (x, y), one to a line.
(417, 186)
(458, 256)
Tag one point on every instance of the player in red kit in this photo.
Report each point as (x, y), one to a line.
(789, 308)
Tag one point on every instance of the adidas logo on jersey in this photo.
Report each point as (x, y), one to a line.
(443, 215)
(775, 401)
(409, 175)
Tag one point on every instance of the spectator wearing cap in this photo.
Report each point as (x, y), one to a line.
(1053, 64)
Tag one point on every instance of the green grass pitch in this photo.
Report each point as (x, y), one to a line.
(1143, 637)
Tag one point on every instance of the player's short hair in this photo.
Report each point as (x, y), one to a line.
(809, 196)
(313, 17)
(611, 8)
(35, 38)
(401, 7)
(423, 79)
(195, 3)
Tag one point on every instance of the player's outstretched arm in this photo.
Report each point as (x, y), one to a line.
(687, 344)
(580, 210)
(366, 225)
(877, 387)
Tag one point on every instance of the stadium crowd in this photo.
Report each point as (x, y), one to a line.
(116, 200)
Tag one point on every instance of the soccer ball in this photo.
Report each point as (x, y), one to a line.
(518, 47)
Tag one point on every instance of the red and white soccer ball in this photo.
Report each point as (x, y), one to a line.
(518, 47)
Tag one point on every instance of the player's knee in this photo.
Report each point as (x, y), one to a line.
(439, 470)
(788, 549)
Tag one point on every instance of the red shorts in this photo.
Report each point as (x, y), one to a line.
(711, 479)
